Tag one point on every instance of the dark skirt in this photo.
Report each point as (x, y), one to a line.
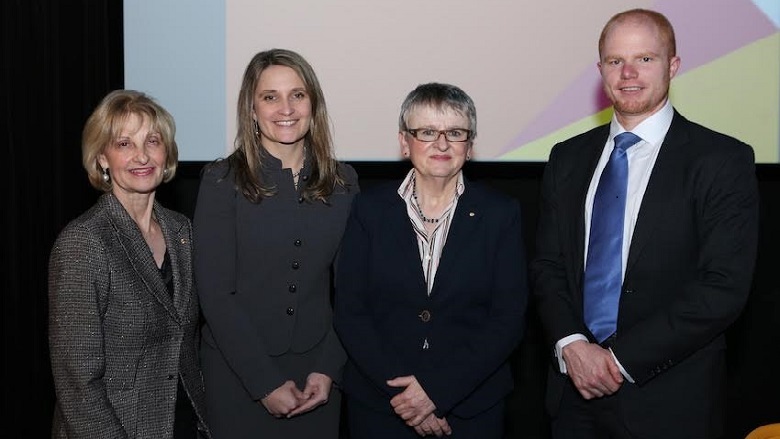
(232, 414)
(366, 423)
(185, 424)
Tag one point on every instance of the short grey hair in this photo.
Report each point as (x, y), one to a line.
(441, 97)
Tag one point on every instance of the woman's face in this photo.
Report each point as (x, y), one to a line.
(282, 107)
(440, 158)
(135, 159)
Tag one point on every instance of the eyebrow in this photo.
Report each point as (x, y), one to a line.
(639, 55)
(448, 127)
(273, 90)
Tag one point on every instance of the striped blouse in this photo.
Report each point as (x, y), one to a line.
(430, 246)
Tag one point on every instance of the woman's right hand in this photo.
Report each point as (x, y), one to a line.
(282, 400)
(433, 426)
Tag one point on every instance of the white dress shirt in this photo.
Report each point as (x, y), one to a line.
(641, 159)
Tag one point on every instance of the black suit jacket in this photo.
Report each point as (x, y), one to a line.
(688, 274)
(476, 307)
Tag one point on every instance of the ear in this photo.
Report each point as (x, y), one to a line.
(674, 65)
(102, 160)
(598, 67)
(404, 143)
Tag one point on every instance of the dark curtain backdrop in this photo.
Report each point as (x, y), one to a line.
(59, 58)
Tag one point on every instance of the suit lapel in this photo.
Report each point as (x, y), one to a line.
(138, 253)
(465, 219)
(661, 184)
(177, 241)
(402, 236)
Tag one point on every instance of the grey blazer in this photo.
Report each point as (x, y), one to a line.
(118, 341)
(264, 276)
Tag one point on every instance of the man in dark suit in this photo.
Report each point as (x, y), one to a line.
(636, 304)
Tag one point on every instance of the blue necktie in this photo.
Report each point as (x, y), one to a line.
(604, 268)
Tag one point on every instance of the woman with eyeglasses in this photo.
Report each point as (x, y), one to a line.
(431, 286)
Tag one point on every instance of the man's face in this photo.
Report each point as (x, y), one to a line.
(636, 70)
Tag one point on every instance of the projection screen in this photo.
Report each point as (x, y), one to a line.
(530, 66)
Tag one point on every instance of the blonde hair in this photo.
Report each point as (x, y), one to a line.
(106, 122)
(643, 16)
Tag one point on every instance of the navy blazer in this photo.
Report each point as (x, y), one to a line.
(472, 320)
(688, 274)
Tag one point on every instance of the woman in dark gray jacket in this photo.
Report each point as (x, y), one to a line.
(268, 223)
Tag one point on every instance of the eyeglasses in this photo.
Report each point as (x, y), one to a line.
(431, 135)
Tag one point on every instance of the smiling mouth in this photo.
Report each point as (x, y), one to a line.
(142, 171)
(630, 88)
(286, 123)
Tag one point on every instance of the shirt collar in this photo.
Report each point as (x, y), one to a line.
(651, 130)
(405, 189)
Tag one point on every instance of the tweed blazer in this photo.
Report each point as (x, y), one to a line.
(118, 340)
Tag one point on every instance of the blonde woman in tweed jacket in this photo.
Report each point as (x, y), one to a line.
(123, 311)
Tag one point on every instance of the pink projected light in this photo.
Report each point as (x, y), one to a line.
(701, 39)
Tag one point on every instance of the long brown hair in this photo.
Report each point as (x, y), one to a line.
(249, 154)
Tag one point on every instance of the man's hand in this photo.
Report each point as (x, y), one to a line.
(592, 369)
(315, 394)
(413, 404)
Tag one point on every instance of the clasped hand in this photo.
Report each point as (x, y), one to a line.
(592, 369)
(415, 407)
(287, 400)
